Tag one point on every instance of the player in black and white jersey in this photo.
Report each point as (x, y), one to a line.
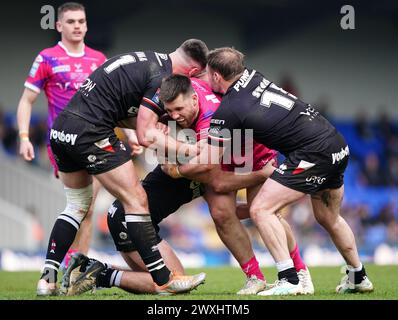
(120, 92)
(316, 158)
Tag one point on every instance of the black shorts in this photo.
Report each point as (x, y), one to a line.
(165, 196)
(310, 171)
(80, 145)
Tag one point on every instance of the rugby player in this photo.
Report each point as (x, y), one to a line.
(59, 71)
(122, 91)
(190, 103)
(316, 158)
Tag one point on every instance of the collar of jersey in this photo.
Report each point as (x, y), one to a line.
(74, 55)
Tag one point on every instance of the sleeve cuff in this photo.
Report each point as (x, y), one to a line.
(31, 87)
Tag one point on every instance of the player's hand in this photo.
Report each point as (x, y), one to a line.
(268, 169)
(171, 170)
(26, 150)
(132, 140)
(163, 128)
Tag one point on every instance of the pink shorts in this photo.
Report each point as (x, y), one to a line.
(52, 160)
(261, 156)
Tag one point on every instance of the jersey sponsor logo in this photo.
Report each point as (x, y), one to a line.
(303, 166)
(159, 56)
(281, 169)
(105, 145)
(244, 79)
(123, 235)
(260, 88)
(39, 58)
(61, 68)
(338, 156)
(155, 97)
(93, 165)
(35, 66)
(91, 158)
(78, 67)
(65, 86)
(93, 66)
(310, 112)
(88, 85)
(63, 137)
(122, 146)
(141, 56)
(315, 180)
(217, 121)
(132, 111)
(112, 210)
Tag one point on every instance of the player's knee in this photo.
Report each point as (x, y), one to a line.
(257, 211)
(78, 202)
(221, 217)
(137, 202)
(328, 221)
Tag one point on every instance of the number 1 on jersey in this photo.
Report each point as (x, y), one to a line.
(268, 98)
(126, 59)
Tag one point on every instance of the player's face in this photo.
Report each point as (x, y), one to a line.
(184, 109)
(73, 25)
(214, 80)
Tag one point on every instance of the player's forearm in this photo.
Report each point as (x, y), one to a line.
(225, 181)
(197, 172)
(24, 114)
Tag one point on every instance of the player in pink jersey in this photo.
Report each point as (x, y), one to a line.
(59, 71)
(220, 192)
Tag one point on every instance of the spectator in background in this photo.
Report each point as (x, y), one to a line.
(10, 136)
(2, 128)
(363, 126)
(371, 174)
(384, 126)
(392, 233)
(392, 171)
(391, 146)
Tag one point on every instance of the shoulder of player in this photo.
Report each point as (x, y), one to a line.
(94, 53)
(47, 53)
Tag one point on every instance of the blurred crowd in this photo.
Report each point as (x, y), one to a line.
(372, 174)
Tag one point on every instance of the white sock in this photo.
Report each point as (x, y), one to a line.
(116, 278)
(352, 269)
(284, 265)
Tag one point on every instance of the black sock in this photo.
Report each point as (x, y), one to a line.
(143, 235)
(358, 275)
(61, 238)
(104, 278)
(289, 274)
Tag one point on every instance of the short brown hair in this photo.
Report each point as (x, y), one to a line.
(197, 50)
(173, 86)
(228, 62)
(69, 6)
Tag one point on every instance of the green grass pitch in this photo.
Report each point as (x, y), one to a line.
(221, 284)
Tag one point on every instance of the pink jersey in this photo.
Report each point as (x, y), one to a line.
(208, 104)
(60, 73)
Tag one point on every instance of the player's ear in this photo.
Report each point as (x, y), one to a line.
(195, 97)
(193, 71)
(59, 26)
(216, 76)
